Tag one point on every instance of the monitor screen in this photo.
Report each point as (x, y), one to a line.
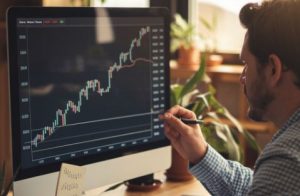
(86, 85)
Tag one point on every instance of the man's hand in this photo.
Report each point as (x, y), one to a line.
(188, 140)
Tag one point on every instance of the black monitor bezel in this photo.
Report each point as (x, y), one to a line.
(13, 14)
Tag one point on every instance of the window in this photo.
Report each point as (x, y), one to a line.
(227, 35)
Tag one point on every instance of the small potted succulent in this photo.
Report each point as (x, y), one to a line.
(184, 40)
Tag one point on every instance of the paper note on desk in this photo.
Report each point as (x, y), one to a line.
(70, 180)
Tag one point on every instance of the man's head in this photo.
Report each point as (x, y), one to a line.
(271, 46)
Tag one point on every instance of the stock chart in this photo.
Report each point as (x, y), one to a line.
(83, 95)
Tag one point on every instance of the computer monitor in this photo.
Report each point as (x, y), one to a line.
(86, 88)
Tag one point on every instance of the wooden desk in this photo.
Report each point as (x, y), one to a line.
(188, 188)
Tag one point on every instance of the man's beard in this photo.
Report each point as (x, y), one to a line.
(258, 102)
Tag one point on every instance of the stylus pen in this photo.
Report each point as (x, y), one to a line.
(192, 121)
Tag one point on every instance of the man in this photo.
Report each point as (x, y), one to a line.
(271, 81)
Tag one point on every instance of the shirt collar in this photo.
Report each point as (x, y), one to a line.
(294, 118)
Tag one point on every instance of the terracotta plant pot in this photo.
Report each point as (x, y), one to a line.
(214, 60)
(189, 58)
(179, 168)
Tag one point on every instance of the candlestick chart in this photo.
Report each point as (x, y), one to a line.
(92, 86)
(86, 97)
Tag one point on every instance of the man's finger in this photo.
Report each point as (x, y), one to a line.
(181, 112)
(176, 124)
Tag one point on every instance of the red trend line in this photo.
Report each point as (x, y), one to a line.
(95, 85)
(136, 60)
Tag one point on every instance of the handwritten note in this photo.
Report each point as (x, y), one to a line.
(70, 181)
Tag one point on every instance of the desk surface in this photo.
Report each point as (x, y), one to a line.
(187, 188)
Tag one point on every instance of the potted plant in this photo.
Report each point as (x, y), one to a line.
(183, 38)
(221, 130)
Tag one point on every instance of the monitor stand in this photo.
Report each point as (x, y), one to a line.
(144, 183)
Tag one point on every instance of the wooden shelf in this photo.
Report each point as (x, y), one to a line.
(255, 127)
(228, 72)
(226, 69)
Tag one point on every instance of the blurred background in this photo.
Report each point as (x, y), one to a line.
(215, 31)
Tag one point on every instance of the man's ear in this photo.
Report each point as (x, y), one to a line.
(275, 69)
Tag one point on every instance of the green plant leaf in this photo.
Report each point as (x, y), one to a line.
(219, 132)
(181, 22)
(186, 99)
(177, 31)
(203, 97)
(183, 32)
(233, 149)
(195, 79)
(175, 92)
(215, 104)
(209, 132)
(251, 141)
(175, 44)
(206, 24)
(211, 89)
(233, 120)
(214, 21)
(199, 108)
